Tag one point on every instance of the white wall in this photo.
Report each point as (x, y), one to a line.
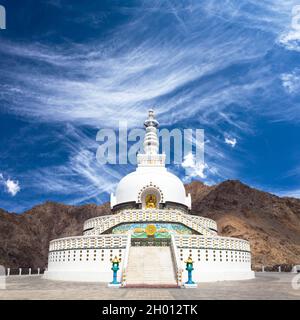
(83, 264)
(95, 265)
(216, 265)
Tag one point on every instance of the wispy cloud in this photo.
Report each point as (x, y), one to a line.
(179, 64)
(81, 178)
(100, 81)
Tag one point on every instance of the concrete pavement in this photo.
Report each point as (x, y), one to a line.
(265, 286)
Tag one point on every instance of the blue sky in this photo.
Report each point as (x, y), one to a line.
(70, 68)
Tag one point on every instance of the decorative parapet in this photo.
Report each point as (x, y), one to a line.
(101, 224)
(151, 160)
(101, 241)
(208, 223)
(218, 243)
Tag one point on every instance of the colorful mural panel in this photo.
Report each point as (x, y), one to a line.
(163, 230)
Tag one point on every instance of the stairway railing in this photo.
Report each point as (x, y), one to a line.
(126, 258)
(176, 260)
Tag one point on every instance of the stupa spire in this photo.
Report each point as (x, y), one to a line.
(151, 156)
(151, 142)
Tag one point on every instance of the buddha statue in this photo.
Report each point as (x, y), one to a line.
(150, 201)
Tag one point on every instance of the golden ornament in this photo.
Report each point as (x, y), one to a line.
(150, 229)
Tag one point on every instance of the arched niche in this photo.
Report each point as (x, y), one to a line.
(150, 198)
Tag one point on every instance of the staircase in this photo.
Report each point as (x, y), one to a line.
(150, 267)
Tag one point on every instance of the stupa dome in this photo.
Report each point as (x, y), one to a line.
(151, 180)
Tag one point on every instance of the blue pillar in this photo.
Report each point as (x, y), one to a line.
(115, 268)
(189, 268)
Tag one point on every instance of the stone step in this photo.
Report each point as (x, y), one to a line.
(150, 279)
(150, 266)
(149, 285)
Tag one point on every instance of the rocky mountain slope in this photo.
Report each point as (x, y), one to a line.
(270, 223)
(24, 239)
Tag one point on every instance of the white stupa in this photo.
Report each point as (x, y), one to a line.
(152, 232)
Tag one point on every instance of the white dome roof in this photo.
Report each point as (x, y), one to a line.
(131, 187)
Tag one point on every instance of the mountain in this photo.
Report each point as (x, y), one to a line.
(24, 238)
(270, 223)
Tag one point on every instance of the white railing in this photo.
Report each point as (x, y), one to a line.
(176, 260)
(150, 160)
(125, 263)
(101, 224)
(24, 271)
(100, 241)
(195, 241)
(208, 223)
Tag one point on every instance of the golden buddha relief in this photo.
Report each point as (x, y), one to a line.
(150, 201)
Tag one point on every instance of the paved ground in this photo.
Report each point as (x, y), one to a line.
(264, 286)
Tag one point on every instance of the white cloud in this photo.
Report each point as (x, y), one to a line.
(210, 174)
(11, 186)
(192, 168)
(231, 141)
(291, 81)
(291, 40)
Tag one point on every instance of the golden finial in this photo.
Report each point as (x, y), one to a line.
(116, 260)
(189, 260)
